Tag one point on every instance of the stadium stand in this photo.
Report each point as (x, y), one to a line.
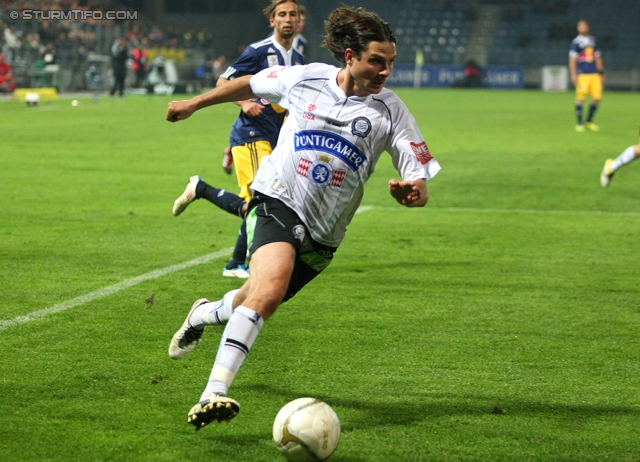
(534, 34)
(59, 53)
(527, 33)
(441, 30)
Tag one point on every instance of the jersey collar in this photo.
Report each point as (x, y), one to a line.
(333, 84)
(286, 54)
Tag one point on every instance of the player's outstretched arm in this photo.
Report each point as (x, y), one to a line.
(236, 90)
(409, 193)
(248, 107)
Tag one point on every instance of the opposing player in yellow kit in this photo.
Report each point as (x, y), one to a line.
(587, 74)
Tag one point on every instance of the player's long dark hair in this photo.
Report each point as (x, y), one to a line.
(350, 27)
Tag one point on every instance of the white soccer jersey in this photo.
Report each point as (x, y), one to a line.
(330, 144)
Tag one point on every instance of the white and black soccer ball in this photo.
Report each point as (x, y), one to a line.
(306, 429)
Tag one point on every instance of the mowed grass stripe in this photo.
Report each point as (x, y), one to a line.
(110, 290)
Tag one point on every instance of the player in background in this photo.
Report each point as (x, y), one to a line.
(587, 74)
(341, 120)
(255, 132)
(612, 165)
(300, 43)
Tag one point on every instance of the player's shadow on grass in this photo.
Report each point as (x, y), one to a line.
(382, 413)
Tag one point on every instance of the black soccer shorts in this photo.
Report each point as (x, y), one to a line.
(270, 220)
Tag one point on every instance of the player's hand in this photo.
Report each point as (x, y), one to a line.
(180, 110)
(251, 108)
(409, 193)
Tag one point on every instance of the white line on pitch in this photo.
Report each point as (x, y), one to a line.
(514, 211)
(538, 212)
(110, 290)
(364, 208)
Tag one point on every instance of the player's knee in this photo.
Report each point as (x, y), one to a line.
(266, 301)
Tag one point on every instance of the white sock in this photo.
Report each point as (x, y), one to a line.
(627, 156)
(213, 312)
(237, 339)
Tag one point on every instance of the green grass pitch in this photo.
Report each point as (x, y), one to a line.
(501, 322)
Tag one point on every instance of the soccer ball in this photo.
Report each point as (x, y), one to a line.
(306, 429)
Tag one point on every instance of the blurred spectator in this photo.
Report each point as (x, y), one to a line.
(119, 56)
(140, 63)
(219, 66)
(472, 76)
(48, 55)
(204, 73)
(7, 82)
(11, 44)
(204, 38)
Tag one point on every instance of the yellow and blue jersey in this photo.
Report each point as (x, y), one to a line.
(586, 50)
(255, 58)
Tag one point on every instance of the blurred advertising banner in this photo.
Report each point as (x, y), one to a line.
(408, 75)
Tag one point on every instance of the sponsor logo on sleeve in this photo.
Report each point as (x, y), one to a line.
(422, 152)
(361, 126)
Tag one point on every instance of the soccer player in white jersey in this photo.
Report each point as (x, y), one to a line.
(307, 191)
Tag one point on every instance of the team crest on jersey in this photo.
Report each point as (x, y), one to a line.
(320, 173)
(361, 127)
(272, 60)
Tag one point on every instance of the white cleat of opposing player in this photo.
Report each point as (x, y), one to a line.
(187, 197)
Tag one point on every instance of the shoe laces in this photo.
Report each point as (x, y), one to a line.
(190, 335)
